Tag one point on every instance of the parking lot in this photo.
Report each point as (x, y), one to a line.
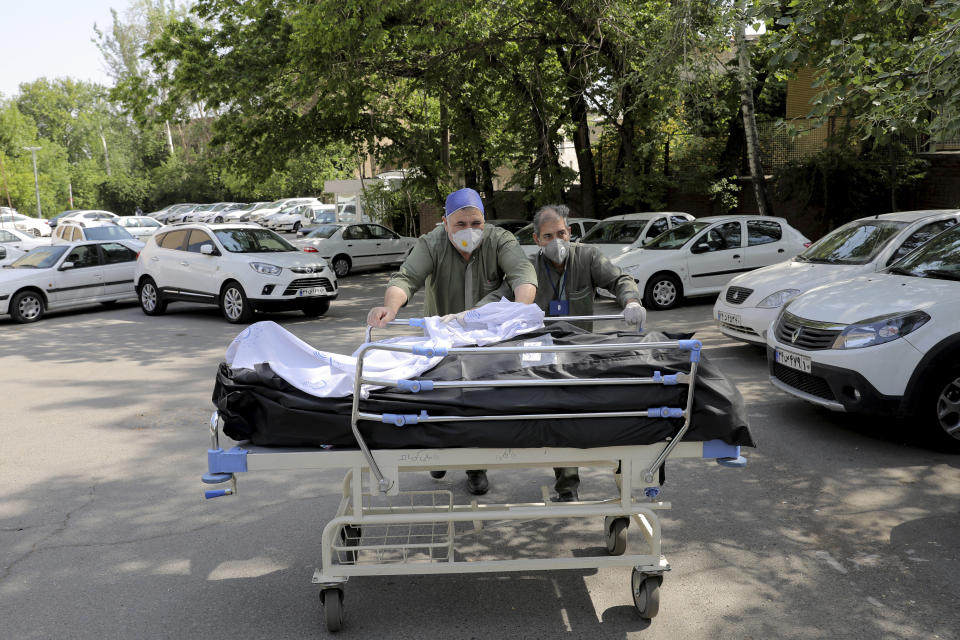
(839, 527)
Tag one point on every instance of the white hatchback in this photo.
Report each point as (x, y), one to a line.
(10, 219)
(348, 246)
(752, 301)
(618, 234)
(139, 226)
(67, 275)
(886, 343)
(240, 267)
(699, 257)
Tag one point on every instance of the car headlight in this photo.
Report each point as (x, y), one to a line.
(874, 331)
(266, 268)
(778, 299)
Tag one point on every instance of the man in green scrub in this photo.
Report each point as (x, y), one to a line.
(461, 265)
(569, 275)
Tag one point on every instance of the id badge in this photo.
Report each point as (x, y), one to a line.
(559, 308)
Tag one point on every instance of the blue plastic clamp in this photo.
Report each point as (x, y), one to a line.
(415, 385)
(416, 322)
(693, 346)
(737, 463)
(668, 379)
(664, 412)
(220, 461)
(652, 492)
(429, 351)
(401, 419)
(217, 493)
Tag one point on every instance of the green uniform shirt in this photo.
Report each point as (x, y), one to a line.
(453, 284)
(586, 269)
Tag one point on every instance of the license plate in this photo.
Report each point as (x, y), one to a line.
(729, 318)
(793, 360)
(313, 291)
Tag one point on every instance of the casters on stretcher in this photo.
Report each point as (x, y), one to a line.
(646, 593)
(616, 529)
(332, 600)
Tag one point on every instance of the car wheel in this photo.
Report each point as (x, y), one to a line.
(26, 306)
(218, 220)
(940, 407)
(663, 291)
(35, 232)
(296, 226)
(151, 300)
(234, 304)
(315, 308)
(341, 265)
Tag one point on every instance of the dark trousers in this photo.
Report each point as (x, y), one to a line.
(568, 479)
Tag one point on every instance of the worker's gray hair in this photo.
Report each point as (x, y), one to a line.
(561, 211)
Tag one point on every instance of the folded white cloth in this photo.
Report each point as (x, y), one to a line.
(329, 375)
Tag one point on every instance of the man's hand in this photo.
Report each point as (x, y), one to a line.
(634, 314)
(454, 317)
(380, 316)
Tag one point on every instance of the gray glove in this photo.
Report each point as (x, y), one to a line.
(635, 314)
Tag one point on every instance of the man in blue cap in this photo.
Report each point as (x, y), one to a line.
(460, 264)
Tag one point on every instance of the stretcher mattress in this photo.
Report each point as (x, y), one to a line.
(259, 406)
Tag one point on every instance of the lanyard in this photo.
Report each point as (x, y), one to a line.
(558, 293)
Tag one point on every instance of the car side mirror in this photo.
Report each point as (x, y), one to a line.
(207, 249)
(701, 247)
(66, 265)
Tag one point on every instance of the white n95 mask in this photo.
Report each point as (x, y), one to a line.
(556, 251)
(467, 240)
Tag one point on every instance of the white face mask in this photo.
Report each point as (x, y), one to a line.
(556, 251)
(467, 240)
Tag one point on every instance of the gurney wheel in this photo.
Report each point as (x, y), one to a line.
(646, 593)
(332, 601)
(617, 536)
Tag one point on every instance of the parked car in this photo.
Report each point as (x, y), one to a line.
(9, 253)
(88, 215)
(21, 240)
(66, 275)
(699, 257)
(240, 267)
(348, 246)
(241, 213)
(618, 234)
(511, 225)
(305, 215)
(578, 228)
(269, 221)
(886, 343)
(752, 300)
(175, 213)
(277, 205)
(10, 219)
(70, 231)
(215, 214)
(139, 226)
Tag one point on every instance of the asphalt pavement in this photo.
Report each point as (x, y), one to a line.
(839, 527)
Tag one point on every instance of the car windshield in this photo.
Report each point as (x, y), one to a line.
(324, 231)
(939, 258)
(678, 236)
(525, 235)
(108, 232)
(39, 258)
(252, 241)
(323, 215)
(618, 232)
(855, 243)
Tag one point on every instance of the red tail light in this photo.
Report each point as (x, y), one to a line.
(807, 244)
(310, 249)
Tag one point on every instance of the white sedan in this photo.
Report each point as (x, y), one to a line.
(616, 235)
(699, 257)
(14, 244)
(67, 275)
(752, 300)
(35, 226)
(348, 246)
(139, 226)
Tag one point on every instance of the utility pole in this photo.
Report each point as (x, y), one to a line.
(6, 189)
(36, 178)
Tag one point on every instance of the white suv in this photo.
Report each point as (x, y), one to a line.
(240, 267)
(886, 343)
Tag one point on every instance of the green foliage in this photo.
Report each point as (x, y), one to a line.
(122, 193)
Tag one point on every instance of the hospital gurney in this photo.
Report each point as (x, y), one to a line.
(379, 529)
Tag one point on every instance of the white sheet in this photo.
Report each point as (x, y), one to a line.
(329, 375)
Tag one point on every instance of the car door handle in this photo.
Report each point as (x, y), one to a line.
(780, 250)
(155, 259)
(349, 245)
(184, 263)
(736, 256)
(99, 276)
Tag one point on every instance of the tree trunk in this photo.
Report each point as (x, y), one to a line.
(581, 134)
(444, 138)
(106, 154)
(749, 116)
(486, 171)
(166, 127)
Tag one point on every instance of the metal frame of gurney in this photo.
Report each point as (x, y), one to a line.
(385, 531)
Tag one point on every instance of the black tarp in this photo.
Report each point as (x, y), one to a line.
(259, 406)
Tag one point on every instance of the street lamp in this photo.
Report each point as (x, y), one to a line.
(36, 179)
